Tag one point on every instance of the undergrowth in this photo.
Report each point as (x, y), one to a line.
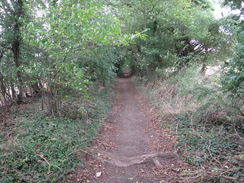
(35, 147)
(208, 122)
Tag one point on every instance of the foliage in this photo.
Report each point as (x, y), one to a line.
(233, 78)
(37, 148)
(235, 4)
(178, 33)
(60, 45)
(11, 43)
(207, 122)
(74, 43)
(69, 43)
(57, 49)
(216, 148)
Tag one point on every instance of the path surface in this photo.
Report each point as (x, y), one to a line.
(131, 147)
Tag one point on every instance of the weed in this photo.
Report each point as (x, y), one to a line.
(42, 148)
(206, 121)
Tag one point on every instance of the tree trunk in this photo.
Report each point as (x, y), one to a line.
(3, 89)
(36, 91)
(204, 66)
(203, 69)
(16, 48)
(13, 92)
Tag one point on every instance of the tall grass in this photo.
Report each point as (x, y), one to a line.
(206, 120)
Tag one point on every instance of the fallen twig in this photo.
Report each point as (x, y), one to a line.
(49, 164)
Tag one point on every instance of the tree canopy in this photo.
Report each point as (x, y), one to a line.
(56, 47)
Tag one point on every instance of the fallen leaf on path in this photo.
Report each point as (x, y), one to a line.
(98, 174)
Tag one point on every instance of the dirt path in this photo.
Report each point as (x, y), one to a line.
(132, 147)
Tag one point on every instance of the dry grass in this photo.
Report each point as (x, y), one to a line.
(204, 120)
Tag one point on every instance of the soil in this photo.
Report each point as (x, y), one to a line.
(132, 146)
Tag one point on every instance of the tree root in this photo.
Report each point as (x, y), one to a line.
(121, 161)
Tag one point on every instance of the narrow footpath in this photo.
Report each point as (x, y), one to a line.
(131, 147)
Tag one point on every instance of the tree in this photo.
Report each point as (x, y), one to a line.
(11, 39)
(69, 38)
(233, 80)
(178, 33)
